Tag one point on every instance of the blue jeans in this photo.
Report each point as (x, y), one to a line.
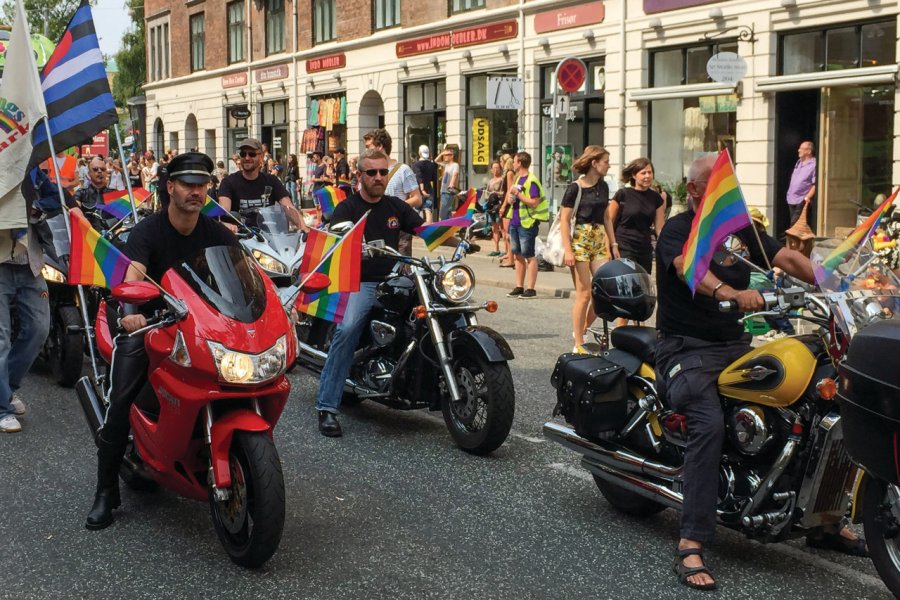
(521, 239)
(343, 345)
(292, 190)
(18, 287)
(447, 200)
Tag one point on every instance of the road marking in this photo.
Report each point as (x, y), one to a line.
(515, 434)
(572, 471)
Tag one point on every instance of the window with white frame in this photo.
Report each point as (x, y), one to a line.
(324, 27)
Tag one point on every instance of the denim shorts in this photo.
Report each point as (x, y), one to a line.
(521, 239)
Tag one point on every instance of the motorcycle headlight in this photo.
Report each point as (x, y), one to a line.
(51, 274)
(270, 263)
(238, 367)
(455, 282)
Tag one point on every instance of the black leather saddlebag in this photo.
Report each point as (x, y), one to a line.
(591, 393)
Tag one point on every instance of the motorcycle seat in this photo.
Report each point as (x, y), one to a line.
(636, 340)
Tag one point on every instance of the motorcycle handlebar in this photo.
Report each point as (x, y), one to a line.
(770, 299)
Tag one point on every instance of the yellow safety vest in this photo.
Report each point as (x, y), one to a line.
(541, 212)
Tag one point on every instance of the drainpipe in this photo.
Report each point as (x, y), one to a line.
(250, 120)
(295, 99)
(622, 98)
(523, 112)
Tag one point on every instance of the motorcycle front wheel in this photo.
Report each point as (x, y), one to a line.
(250, 522)
(480, 422)
(881, 528)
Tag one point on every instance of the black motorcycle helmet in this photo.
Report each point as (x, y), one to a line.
(622, 289)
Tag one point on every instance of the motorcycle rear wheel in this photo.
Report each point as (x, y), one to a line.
(250, 523)
(881, 530)
(65, 350)
(627, 502)
(481, 422)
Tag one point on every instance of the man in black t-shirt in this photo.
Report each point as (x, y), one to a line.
(156, 244)
(252, 188)
(696, 343)
(426, 175)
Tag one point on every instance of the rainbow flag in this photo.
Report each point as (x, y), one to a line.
(119, 208)
(343, 181)
(342, 267)
(854, 241)
(211, 208)
(93, 259)
(328, 198)
(468, 207)
(722, 211)
(436, 233)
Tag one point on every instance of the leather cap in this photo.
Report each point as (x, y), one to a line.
(190, 167)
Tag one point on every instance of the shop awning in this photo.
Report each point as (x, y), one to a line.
(694, 90)
(809, 81)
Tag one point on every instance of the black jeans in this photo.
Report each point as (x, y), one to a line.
(690, 367)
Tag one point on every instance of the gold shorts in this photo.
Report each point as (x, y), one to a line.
(589, 242)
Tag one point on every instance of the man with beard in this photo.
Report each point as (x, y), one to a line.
(155, 244)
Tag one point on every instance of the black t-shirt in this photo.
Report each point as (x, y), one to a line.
(593, 202)
(319, 172)
(239, 189)
(342, 169)
(388, 217)
(699, 317)
(636, 217)
(158, 246)
(426, 174)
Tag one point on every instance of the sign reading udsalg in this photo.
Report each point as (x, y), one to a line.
(726, 67)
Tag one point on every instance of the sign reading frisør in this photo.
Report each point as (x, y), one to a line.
(726, 67)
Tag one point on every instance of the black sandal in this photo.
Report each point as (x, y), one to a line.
(838, 543)
(684, 572)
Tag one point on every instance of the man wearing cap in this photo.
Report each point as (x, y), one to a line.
(155, 244)
(426, 174)
(251, 185)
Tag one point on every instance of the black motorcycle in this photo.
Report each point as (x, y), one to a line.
(424, 348)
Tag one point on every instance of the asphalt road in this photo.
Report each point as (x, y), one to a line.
(391, 510)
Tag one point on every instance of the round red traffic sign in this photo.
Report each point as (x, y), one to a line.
(571, 74)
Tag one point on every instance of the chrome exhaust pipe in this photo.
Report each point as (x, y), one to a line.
(636, 485)
(90, 405)
(317, 356)
(609, 455)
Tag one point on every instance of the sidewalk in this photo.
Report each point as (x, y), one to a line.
(557, 284)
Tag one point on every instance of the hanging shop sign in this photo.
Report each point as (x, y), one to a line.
(271, 73)
(234, 80)
(240, 112)
(505, 93)
(567, 18)
(325, 63)
(726, 67)
(655, 6)
(481, 141)
(471, 36)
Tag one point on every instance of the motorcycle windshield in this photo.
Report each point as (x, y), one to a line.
(59, 234)
(227, 280)
(273, 219)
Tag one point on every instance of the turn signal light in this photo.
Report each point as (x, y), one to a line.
(827, 389)
(491, 306)
(420, 312)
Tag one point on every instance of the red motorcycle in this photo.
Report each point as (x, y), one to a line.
(218, 346)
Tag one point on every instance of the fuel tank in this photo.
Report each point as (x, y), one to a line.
(775, 374)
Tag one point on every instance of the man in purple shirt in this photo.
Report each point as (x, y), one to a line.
(803, 180)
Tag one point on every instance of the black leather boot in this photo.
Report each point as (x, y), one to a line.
(328, 424)
(109, 459)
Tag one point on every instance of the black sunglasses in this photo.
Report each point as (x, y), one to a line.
(245, 154)
(98, 169)
(373, 172)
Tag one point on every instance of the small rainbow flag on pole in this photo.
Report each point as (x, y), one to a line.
(436, 233)
(119, 208)
(342, 266)
(722, 211)
(468, 207)
(328, 198)
(211, 208)
(93, 259)
(854, 241)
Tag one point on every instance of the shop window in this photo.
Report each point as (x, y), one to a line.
(458, 6)
(685, 65)
(324, 29)
(502, 132)
(198, 58)
(424, 118)
(274, 26)
(236, 32)
(839, 48)
(387, 13)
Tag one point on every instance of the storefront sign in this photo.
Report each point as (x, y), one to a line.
(240, 112)
(271, 73)
(234, 80)
(726, 67)
(566, 18)
(505, 93)
(423, 45)
(99, 145)
(486, 33)
(325, 63)
(655, 6)
(481, 141)
(458, 39)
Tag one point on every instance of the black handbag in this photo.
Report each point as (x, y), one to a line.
(591, 393)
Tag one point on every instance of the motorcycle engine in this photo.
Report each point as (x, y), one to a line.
(748, 430)
(376, 373)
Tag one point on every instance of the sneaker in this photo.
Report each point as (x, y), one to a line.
(516, 291)
(10, 424)
(18, 405)
(528, 294)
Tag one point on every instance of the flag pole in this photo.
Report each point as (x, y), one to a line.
(127, 179)
(749, 216)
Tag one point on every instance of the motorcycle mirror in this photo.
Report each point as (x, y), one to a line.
(341, 228)
(135, 292)
(730, 249)
(316, 282)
